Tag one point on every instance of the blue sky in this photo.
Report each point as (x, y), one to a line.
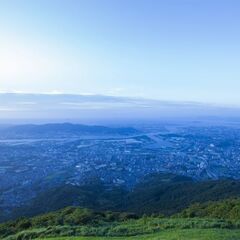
(186, 50)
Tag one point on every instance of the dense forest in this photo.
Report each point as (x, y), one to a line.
(164, 194)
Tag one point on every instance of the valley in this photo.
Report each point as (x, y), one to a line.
(34, 161)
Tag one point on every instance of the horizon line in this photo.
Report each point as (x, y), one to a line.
(59, 93)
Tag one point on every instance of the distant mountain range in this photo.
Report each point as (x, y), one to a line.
(62, 130)
(87, 107)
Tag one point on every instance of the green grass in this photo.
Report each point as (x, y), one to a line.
(145, 228)
(84, 224)
(180, 234)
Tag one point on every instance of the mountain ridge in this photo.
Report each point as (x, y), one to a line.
(159, 194)
(63, 129)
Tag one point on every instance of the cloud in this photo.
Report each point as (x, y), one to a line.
(26, 103)
(60, 106)
(13, 109)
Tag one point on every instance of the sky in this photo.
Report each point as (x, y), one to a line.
(180, 50)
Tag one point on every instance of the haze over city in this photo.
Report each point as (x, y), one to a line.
(119, 119)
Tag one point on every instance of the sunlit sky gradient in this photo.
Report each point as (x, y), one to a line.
(186, 50)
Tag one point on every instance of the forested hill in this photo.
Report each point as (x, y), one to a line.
(160, 193)
(225, 209)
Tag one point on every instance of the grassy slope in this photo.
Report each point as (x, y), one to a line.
(147, 228)
(189, 234)
(74, 221)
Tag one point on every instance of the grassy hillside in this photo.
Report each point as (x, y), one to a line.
(192, 234)
(74, 221)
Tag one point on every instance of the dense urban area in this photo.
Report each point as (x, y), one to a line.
(29, 165)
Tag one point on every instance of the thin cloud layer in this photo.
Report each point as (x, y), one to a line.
(62, 106)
